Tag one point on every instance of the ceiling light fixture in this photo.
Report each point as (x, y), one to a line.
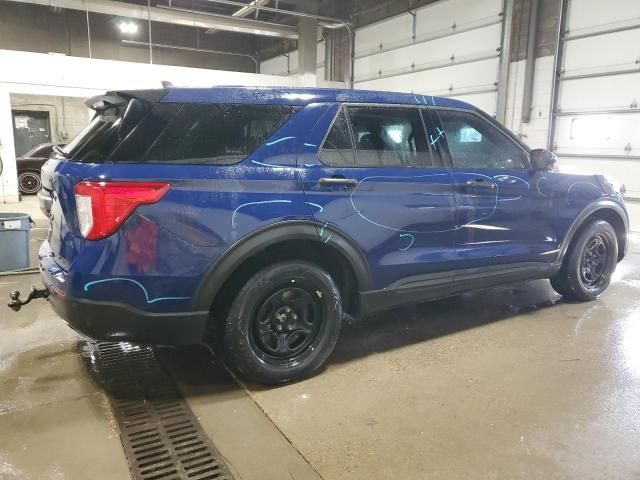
(128, 27)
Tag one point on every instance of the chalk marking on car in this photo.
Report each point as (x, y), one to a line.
(144, 290)
(233, 216)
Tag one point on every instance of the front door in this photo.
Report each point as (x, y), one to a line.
(501, 217)
(376, 179)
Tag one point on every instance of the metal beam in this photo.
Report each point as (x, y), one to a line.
(557, 67)
(505, 54)
(327, 22)
(530, 69)
(176, 17)
(245, 11)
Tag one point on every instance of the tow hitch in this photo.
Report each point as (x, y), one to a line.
(16, 304)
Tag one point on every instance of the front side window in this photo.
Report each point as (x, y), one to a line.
(389, 137)
(216, 134)
(474, 143)
(337, 150)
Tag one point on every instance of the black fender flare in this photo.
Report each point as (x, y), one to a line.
(600, 204)
(237, 253)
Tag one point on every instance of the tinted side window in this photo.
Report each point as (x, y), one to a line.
(138, 142)
(96, 142)
(337, 150)
(474, 143)
(389, 137)
(216, 134)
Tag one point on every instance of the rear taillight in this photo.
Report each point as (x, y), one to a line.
(103, 206)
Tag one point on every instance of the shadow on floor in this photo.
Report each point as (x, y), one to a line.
(388, 330)
(403, 326)
(197, 370)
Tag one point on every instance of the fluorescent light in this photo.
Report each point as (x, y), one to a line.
(128, 27)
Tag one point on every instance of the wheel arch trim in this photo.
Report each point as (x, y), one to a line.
(578, 222)
(215, 278)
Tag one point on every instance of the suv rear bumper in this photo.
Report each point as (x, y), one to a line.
(117, 322)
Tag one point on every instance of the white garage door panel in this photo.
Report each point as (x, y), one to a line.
(584, 14)
(435, 17)
(598, 134)
(617, 91)
(613, 137)
(483, 41)
(438, 81)
(484, 101)
(615, 51)
(396, 30)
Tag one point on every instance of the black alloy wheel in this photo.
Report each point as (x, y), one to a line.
(283, 323)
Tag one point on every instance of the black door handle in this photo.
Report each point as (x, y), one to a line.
(338, 182)
(480, 183)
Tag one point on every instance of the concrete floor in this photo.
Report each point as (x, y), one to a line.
(510, 382)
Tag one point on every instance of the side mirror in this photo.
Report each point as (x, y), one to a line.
(542, 159)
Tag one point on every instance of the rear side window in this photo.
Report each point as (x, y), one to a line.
(337, 150)
(389, 137)
(216, 134)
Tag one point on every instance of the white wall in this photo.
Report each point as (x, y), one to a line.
(59, 75)
(287, 66)
(535, 132)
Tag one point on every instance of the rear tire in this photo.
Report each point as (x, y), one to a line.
(283, 323)
(589, 264)
(29, 182)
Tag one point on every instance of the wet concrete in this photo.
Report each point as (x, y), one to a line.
(56, 421)
(510, 382)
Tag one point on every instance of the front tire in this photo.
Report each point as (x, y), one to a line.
(589, 264)
(283, 324)
(29, 182)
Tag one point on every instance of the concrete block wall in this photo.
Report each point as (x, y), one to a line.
(67, 115)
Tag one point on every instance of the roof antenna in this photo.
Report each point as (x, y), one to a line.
(166, 84)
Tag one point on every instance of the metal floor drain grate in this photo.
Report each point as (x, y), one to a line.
(162, 438)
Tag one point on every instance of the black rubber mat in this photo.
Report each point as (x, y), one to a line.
(162, 438)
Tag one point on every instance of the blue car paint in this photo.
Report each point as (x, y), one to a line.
(405, 221)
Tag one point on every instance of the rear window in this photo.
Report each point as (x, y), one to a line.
(215, 134)
(105, 132)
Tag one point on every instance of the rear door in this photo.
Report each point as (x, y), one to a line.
(501, 215)
(376, 178)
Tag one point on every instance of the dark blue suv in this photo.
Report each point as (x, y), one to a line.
(255, 218)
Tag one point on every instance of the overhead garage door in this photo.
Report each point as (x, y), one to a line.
(597, 119)
(449, 48)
